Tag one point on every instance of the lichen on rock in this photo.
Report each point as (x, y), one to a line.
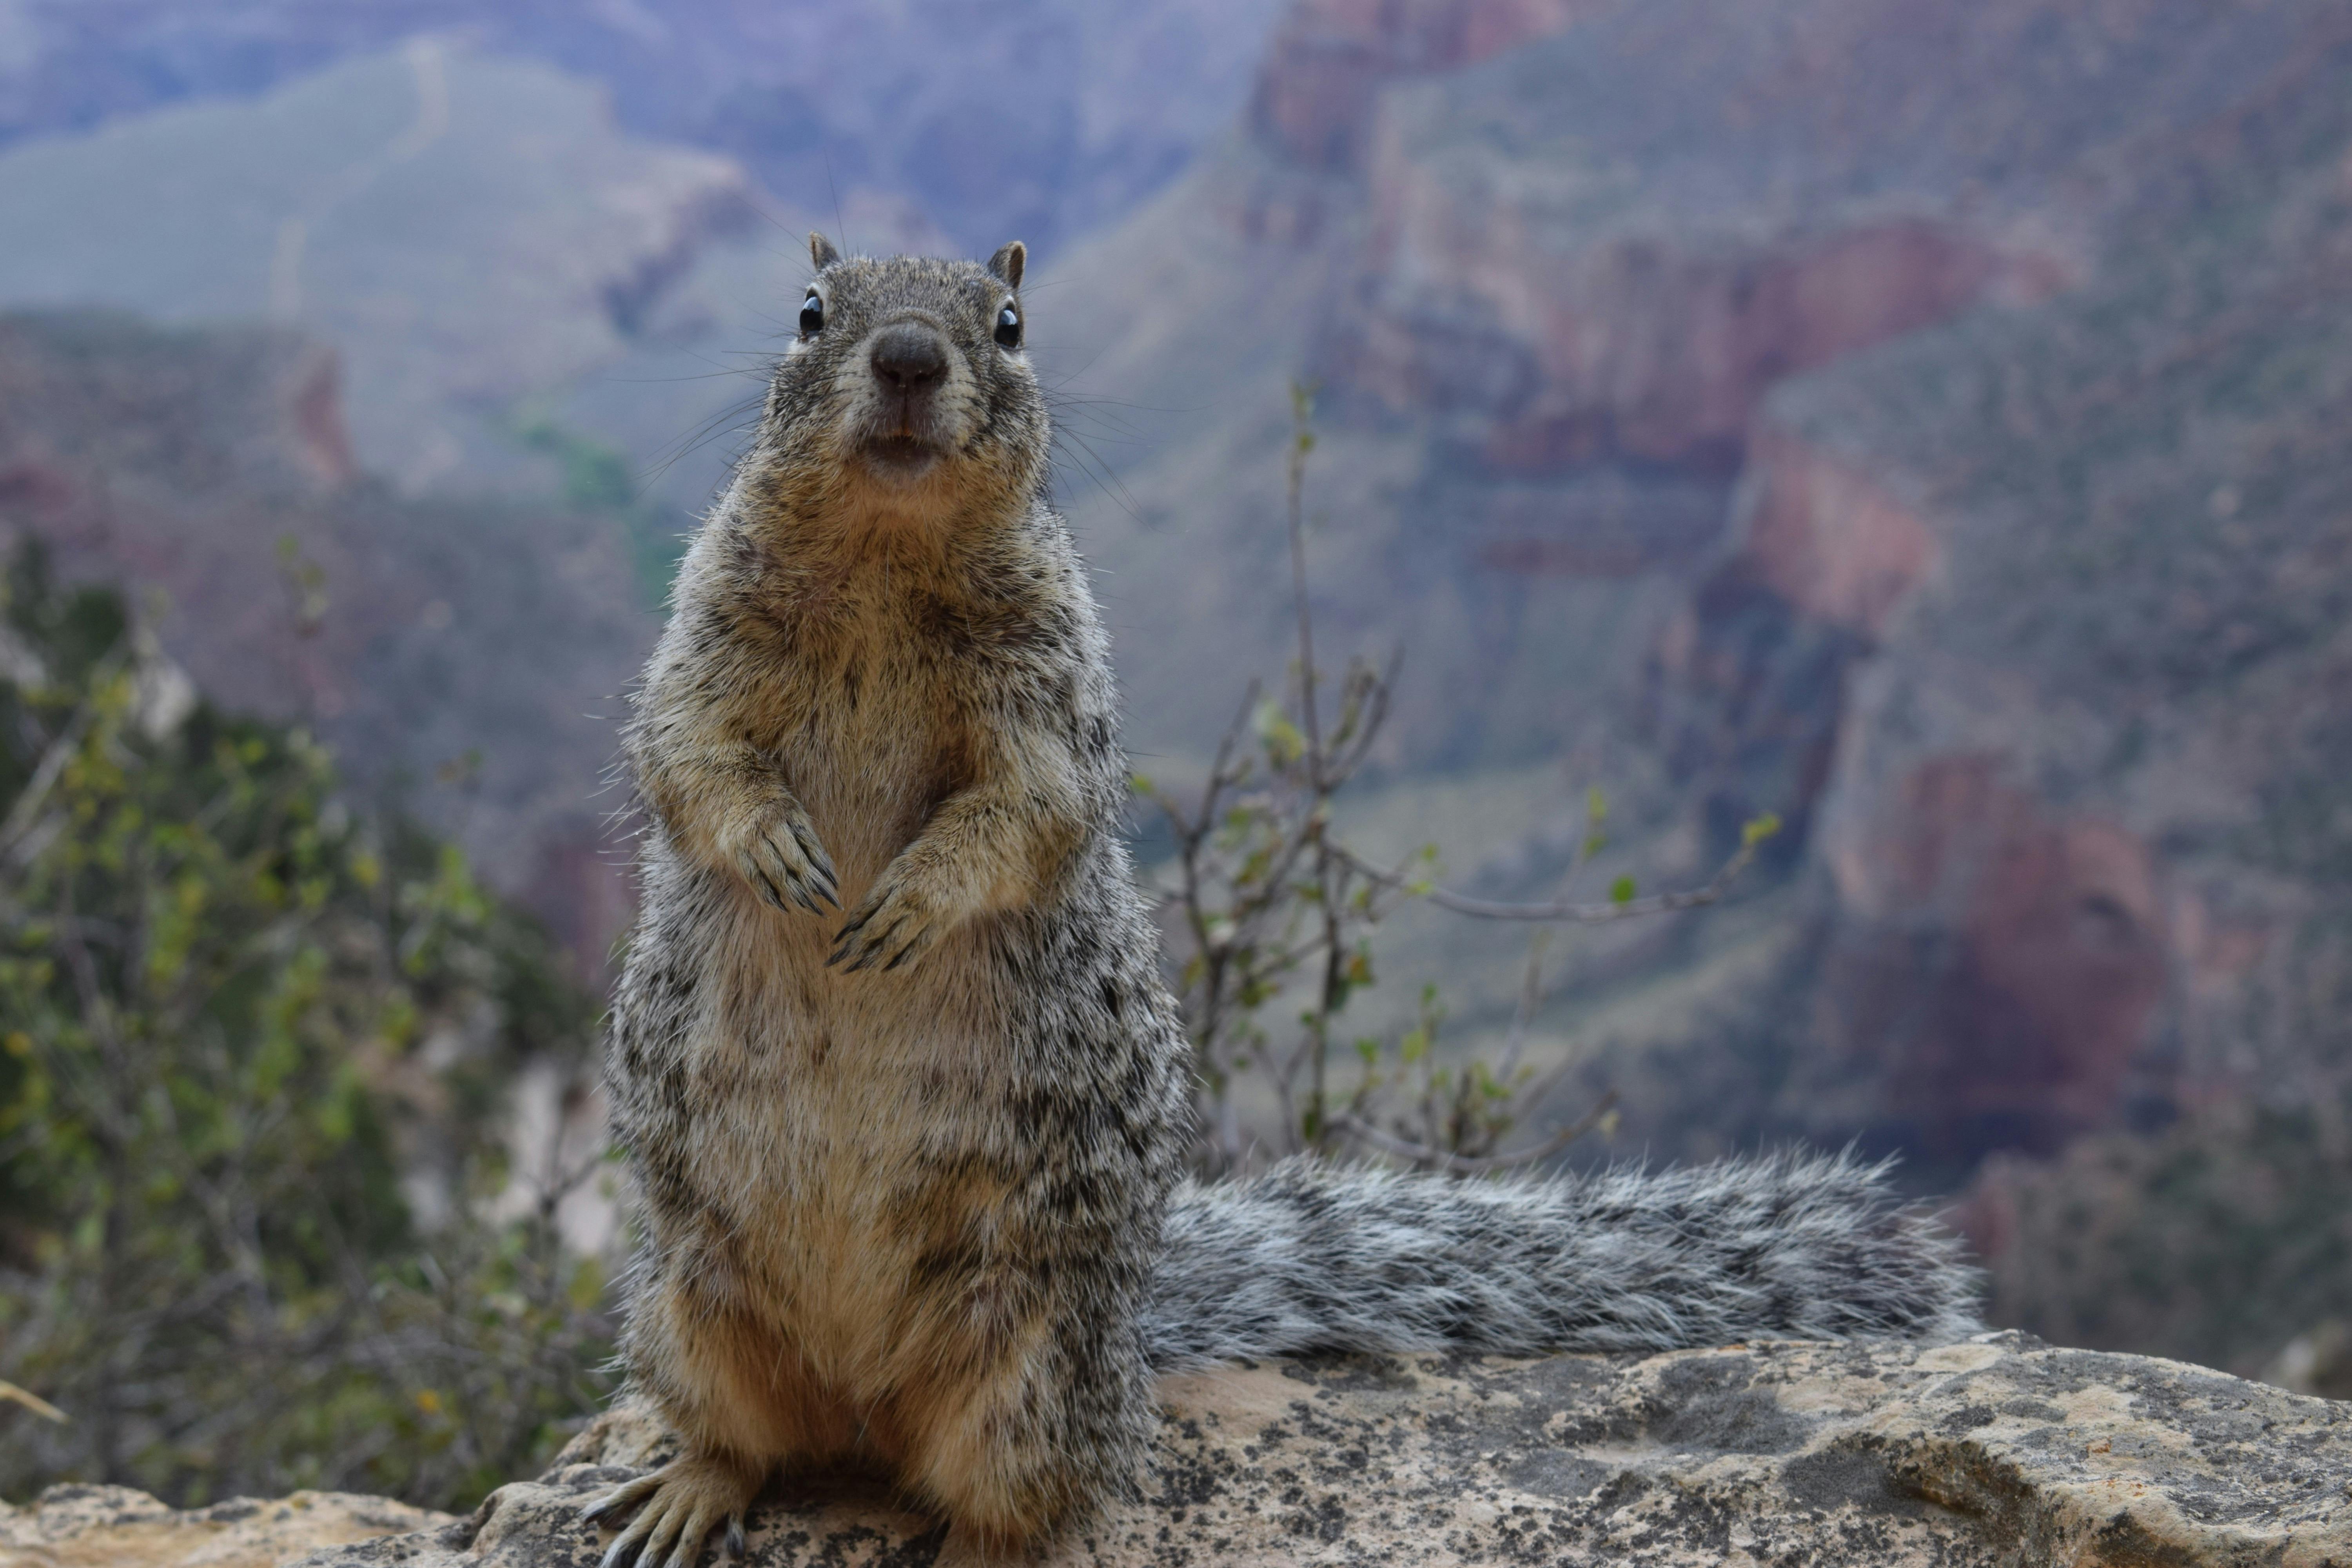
(115, 1527)
(1996, 1450)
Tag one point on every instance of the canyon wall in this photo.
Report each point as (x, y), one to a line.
(466, 658)
(1907, 420)
(1041, 120)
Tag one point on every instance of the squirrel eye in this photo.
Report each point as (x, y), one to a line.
(811, 315)
(1008, 327)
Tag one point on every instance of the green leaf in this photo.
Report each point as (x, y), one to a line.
(1621, 891)
(1758, 829)
(1283, 742)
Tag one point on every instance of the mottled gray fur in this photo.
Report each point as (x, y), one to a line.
(1312, 1257)
(904, 1171)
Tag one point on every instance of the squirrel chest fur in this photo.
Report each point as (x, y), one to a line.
(890, 1055)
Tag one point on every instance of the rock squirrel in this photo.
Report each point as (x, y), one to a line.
(911, 1181)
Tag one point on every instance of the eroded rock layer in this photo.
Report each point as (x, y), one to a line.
(1997, 1450)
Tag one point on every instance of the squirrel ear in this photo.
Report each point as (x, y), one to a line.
(821, 251)
(1008, 261)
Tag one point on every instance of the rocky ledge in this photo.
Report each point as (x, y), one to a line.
(1999, 1450)
(114, 1526)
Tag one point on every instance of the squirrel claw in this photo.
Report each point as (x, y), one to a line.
(787, 868)
(685, 1503)
(864, 943)
(899, 920)
(823, 880)
(887, 947)
(621, 1499)
(862, 954)
(765, 886)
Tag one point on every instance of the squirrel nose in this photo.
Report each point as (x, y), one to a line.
(909, 359)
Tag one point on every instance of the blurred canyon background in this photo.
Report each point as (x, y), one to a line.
(1925, 421)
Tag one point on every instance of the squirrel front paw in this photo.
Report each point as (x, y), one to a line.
(778, 854)
(677, 1507)
(897, 923)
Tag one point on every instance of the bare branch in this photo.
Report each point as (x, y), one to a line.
(1530, 998)
(32, 1402)
(1568, 912)
(1470, 1165)
(26, 808)
(1302, 442)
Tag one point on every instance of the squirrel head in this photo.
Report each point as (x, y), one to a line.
(909, 386)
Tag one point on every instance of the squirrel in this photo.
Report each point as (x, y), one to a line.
(906, 1099)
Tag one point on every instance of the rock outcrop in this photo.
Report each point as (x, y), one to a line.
(1998, 1450)
(115, 1527)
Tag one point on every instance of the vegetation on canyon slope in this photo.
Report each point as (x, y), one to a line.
(253, 1046)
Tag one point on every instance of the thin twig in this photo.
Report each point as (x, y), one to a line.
(1565, 911)
(35, 793)
(1530, 998)
(32, 1402)
(1472, 1165)
(1302, 442)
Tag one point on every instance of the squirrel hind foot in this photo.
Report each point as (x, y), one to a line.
(677, 1507)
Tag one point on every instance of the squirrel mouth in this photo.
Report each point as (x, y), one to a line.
(899, 457)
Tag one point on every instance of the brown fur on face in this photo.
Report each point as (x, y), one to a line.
(875, 455)
(901, 1168)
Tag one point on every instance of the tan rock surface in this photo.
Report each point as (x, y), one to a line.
(115, 1527)
(1997, 1451)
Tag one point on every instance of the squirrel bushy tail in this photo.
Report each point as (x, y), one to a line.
(1313, 1256)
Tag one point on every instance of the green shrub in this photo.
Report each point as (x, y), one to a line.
(244, 1030)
